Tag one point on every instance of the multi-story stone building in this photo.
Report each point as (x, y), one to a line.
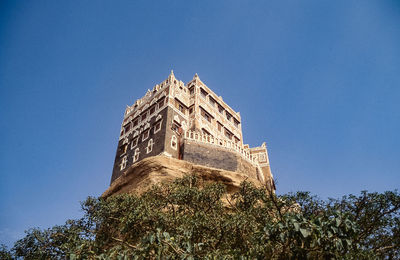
(192, 123)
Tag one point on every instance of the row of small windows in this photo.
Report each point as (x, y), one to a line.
(221, 110)
(220, 127)
(143, 116)
(145, 135)
(149, 148)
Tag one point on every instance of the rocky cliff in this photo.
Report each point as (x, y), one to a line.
(159, 169)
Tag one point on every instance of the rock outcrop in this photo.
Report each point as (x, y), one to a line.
(159, 169)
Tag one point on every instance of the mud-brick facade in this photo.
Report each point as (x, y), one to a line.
(188, 122)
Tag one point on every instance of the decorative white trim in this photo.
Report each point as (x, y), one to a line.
(157, 126)
(136, 155)
(149, 147)
(158, 117)
(145, 135)
(134, 142)
(123, 163)
(184, 125)
(221, 142)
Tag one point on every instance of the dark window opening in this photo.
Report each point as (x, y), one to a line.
(144, 116)
(203, 93)
(152, 110)
(161, 102)
(220, 126)
(180, 106)
(123, 148)
(228, 116)
(228, 134)
(157, 127)
(206, 115)
(220, 109)
(145, 135)
(212, 101)
(175, 126)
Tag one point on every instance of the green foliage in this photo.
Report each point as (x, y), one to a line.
(188, 219)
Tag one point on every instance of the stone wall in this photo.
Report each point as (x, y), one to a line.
(216, 157)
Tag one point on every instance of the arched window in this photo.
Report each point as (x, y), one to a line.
(123, 163)
(136, 155)
(174, 142)
(149, 147)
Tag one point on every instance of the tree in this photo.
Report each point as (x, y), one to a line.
(192, 219)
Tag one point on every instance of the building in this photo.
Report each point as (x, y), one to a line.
(188, 122)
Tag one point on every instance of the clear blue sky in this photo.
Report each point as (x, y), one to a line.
(319, 81)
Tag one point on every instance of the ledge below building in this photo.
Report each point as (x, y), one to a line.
(160, 169)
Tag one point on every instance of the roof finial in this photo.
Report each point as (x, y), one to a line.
(172, 74)
(196, 76)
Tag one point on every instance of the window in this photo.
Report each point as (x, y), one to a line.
(228, 134)
(228, 116)
(157, 127)
(123, 149)
(182, 109)
(174, 142)
(135, 123)
(134, 142)
(136, 155)
(191, 110)
(145, 135)
(180, 106)
(161, 102)
(191, 90)
(220, 126)
(212, 101)
(237, 140)
(220, 109)
(123, 163)
(175, 126)
(152, 109)
(206, 115)
(144, 116)
(236, 123)
(149, 147)
(203, 93)
(127, 128)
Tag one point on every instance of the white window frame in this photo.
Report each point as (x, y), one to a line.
(159, 128)
(136, 155)
(145, 135)
(123, 163)
(149, 147)
(134, 144)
